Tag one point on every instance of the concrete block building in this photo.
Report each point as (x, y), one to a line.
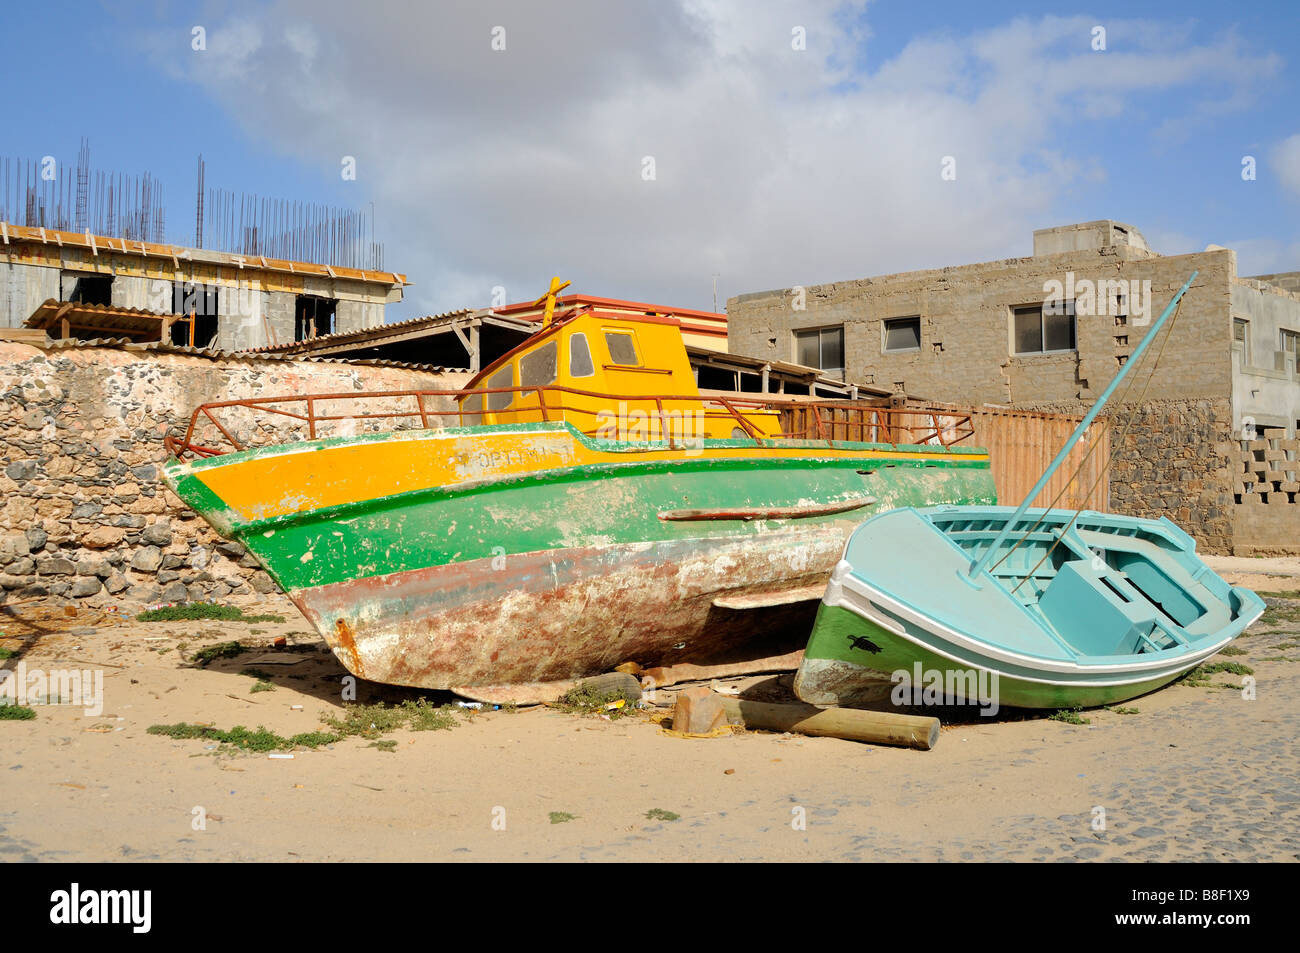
(1049, 331)
(237, 302)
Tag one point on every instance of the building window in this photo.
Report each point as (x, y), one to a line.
(87, 288)
(902, 334)
(822, 348)
(1241, 336)
(1037, 331)
(1289, 345)
(313, 317)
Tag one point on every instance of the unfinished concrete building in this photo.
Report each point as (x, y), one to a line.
(224, 301)
(1213, 443)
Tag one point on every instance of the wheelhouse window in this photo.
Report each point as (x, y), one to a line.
(538, 368)
(505, 377)
(902, 334)
(822, 348)
(1038, 330)
(580, 364)
(622, 348)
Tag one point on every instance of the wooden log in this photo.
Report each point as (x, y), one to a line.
(876, 727)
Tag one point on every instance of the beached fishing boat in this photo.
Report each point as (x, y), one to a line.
(1066, 608)
(578, 505)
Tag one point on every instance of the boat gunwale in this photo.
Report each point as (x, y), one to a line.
(987, 651)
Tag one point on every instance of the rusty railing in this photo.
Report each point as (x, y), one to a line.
(829, 421)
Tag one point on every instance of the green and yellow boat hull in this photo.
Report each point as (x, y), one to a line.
(523, 553)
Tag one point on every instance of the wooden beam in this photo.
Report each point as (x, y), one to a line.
(877, 727)
(336, 347)
(470, 343)
(61, 316)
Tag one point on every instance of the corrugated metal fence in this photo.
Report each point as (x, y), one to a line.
(1021, 444)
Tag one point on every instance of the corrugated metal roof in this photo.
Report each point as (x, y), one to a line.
(364, 334)
(96, 317)
(125, 344)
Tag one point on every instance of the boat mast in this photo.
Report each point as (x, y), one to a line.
(979, 565)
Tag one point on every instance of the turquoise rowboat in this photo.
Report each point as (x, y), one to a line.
(1121, 607)
(1079, 609)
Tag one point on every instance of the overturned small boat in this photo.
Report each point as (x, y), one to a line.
(1052, 608)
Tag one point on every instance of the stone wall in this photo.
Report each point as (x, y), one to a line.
(1235, 493)
(1172, 460)
(83, 513)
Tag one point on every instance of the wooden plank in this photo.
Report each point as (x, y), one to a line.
(24, 335)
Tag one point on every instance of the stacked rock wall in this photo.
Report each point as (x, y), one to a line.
(83, 512)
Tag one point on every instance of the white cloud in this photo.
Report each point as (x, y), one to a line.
(1285, 162)
(774, 166)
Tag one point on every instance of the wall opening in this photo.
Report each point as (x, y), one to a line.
(87, 287)
(1037, 330)
(313, 316)
(199, 301)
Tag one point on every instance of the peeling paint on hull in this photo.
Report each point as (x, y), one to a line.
(559, 615)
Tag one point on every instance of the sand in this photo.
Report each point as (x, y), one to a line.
(1198, 773)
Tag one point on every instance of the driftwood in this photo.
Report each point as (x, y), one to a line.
(877, 727)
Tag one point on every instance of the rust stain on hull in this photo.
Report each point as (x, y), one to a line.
(547, 617)
(345, 647)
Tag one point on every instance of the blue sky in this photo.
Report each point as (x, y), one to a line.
(495, 169)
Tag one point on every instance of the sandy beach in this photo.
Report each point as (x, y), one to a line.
(1196, 773)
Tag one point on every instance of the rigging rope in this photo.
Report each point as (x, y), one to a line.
(1114, 451)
